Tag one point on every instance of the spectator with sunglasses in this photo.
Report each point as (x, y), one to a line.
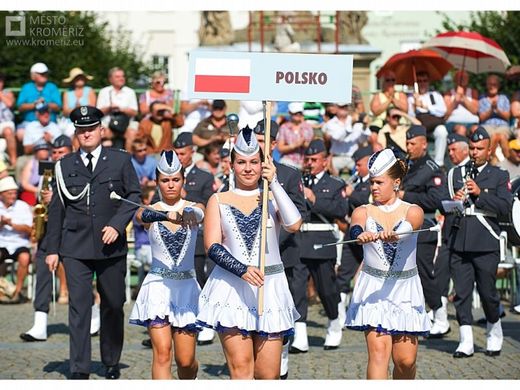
(387, 98)
(157, 92)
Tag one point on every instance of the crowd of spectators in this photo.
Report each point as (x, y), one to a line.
(146, 123)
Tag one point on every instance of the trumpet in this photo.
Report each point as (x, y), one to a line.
(40, 210)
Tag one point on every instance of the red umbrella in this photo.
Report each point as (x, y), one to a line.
(407, 65)
(470, 51)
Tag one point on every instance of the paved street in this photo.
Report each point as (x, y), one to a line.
(49, 360)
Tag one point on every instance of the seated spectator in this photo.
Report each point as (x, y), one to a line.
(42, 129)
(357, 100)
(144, 164)
(16, 219)
(77, 94)
(30, 177)
(7, 126)
(429, 107)
(158, 127)
(345, 134)
(156, 93)
(119, 104)
(213, 129)
(461, 105)
(494, 113)
(294, 136)
(313, 114)
(223, 177)
(194, 111)
(393, 133)
(387, 98)
(512, 162)
(39, 90)
(515, 114)
(211, 158)
(250, 112)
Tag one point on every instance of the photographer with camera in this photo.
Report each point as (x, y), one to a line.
(157, 128)
(119, 105)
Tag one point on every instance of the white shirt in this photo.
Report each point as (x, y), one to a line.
(346, 137)
(95, 153)
(20, 214)
(437, 108)
(34, 132)
(124, 98)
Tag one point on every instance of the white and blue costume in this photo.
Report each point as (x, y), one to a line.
(169, 293)
(388, 295)
(229, 302)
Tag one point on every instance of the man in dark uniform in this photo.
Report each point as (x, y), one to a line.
(88, 231)
(485, 193)
(61, 146)
(358, 194)
(326, 200)
(291, 181)
(458, 152)
(199, 185)
(424, 185)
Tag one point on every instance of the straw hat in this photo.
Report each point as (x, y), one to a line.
(75, 72)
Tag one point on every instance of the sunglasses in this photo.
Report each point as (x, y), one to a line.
(396, 117)
(390, 80)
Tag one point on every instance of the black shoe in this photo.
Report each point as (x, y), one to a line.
(295, 350)
(147, 343)
(483, 320)
(27, 337)
(460, 354)
(112, 372)
(204, 342)
(491, 353)
(79, 375)
(284, 376)
(330, 347)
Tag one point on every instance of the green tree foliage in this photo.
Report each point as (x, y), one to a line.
(501, 26)
(78, 39)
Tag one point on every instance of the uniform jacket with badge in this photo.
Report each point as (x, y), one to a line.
(198, 185)
(75, 229)
(468, 234)
(330, 204)
(424, 185)
(291, 181)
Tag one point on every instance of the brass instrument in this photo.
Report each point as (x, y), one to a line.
(40, 210)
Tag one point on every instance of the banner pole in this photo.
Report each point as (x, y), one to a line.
(265, 198)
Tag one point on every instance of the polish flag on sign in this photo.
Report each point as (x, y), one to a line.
(222, 75)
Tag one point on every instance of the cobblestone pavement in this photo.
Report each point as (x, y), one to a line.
(49, 360)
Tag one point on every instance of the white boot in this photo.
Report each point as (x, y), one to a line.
(465, 348)
(333, 339)
(300, 342)
(284, 363)
(342, 308)
(494, 338)
(39, 330)
(95, 320)
(205, 336)
(441, 325)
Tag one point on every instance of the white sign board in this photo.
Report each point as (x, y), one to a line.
(270, 76)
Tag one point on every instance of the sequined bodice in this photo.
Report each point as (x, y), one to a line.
(395, 256)
(173, 250)
(241, 234)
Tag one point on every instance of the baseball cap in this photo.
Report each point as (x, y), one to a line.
(39, 67)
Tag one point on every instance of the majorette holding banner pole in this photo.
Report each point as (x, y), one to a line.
(265, 198)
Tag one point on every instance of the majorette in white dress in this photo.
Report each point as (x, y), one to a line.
(169, 292)
(227, 301)
(388, 296)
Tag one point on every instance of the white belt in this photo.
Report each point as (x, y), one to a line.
(476, 212)
(318, 227)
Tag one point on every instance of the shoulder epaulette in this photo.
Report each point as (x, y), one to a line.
(432, 165)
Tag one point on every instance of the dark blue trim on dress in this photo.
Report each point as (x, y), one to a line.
(223, 329)
(391, 332)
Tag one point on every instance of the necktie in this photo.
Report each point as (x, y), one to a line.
(89, 165)
(312, 181)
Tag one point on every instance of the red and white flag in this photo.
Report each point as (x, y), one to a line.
(222, 75)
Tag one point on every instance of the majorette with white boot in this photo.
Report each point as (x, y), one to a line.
(388, 302)
(485, 191)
